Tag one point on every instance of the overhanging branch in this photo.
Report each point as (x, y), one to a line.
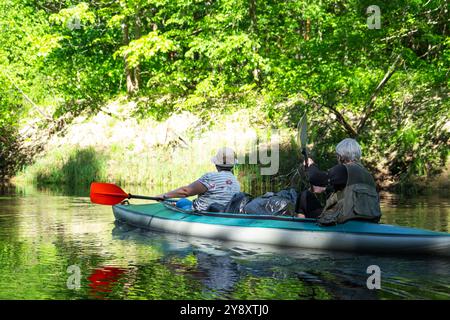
(35, 106)
(341, 119)
(369, 106)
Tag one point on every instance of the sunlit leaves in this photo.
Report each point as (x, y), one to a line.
(74, 17)
(200, 55)
(145, 48)
(46, 44)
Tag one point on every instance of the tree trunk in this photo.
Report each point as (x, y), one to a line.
(254, 29)
(253, 18)
(137, 35)
(131, 84)
(307, 29)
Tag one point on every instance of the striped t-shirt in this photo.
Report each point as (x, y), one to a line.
(221, 186)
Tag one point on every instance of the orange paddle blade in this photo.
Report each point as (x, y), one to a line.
(107, 193)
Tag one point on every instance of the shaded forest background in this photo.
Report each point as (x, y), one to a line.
(386, 87)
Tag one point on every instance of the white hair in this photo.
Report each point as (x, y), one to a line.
(349, 150)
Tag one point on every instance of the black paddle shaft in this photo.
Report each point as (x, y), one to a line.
(132, 196)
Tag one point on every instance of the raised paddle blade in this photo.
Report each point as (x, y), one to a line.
(302, 132)
(107, 193)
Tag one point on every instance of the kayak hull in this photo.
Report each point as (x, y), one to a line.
(356, 236)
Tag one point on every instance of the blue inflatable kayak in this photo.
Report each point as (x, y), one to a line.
(285, 231)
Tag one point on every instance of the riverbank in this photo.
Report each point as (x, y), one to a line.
(115, 146)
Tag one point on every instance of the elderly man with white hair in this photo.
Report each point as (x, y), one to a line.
(354, 194)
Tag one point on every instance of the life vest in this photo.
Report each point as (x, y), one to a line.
(358, 200)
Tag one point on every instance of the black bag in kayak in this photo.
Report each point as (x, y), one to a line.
(238, 203)
(215, 207)
(275, 204)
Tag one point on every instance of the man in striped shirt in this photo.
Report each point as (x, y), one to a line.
(214, 189)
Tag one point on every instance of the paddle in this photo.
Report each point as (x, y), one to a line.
(302, 137)
(302, 141)
(110, 194)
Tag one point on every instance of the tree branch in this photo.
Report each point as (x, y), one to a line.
(369, 107)
(401, 35)
(308, 101)
(341, 119)
(430, 50)
(35, 106)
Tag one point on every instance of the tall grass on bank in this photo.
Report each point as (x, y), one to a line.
(65, 166)
(174, 152)
(160, 167)
(153, 154)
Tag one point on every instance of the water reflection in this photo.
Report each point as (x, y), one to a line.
(103, 279)
(428, 212)
(252, 271)
(42, 233)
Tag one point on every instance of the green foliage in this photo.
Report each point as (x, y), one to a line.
(67, 166)
(213, 57)
(11, 155)
(144, 48)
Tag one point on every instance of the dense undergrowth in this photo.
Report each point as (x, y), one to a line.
(63, 64)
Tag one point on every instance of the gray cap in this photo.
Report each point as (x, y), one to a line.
(225, 157)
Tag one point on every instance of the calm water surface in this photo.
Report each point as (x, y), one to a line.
(42, 233)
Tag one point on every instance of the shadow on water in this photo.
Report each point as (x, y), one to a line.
(51, 190)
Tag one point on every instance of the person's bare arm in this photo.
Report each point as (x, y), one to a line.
(315, 189)
(193, 189)
(310, 162)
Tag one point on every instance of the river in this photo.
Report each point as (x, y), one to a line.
(58, 245)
